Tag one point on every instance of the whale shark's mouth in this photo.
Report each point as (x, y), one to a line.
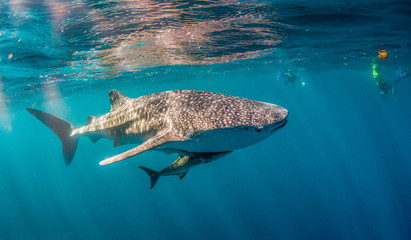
(282, 124)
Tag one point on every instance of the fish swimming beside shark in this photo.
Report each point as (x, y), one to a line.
(181, 166)
(182, 121)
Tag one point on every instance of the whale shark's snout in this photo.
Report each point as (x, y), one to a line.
(282, 113)
(278, 118)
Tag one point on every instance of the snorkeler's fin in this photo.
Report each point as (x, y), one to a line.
(62, 129)
(401, 75)
(154, 175)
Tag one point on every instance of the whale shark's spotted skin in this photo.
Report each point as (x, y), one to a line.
(182, 120)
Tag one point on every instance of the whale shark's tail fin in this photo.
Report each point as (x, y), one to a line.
(154, 175)
(62, 129)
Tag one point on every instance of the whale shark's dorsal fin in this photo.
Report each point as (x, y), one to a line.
(90, 119)
(117, 99)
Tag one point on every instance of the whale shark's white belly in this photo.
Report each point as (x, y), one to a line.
(220, 140)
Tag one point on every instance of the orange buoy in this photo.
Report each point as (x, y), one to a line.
(382, 54)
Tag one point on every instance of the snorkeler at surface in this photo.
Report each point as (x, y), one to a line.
(385, 87)
(290, 77)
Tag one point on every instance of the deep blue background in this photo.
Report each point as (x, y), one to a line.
(339, 169)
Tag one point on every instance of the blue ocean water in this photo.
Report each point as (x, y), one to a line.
(339, 169)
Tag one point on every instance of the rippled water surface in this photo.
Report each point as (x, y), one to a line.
(71, 41)
(339, 169)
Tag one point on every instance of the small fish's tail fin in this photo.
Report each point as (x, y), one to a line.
(154, 175)
(62, 129)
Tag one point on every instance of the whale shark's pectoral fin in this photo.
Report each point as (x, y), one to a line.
(151, 143)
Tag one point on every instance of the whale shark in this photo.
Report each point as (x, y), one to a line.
(181, 121)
